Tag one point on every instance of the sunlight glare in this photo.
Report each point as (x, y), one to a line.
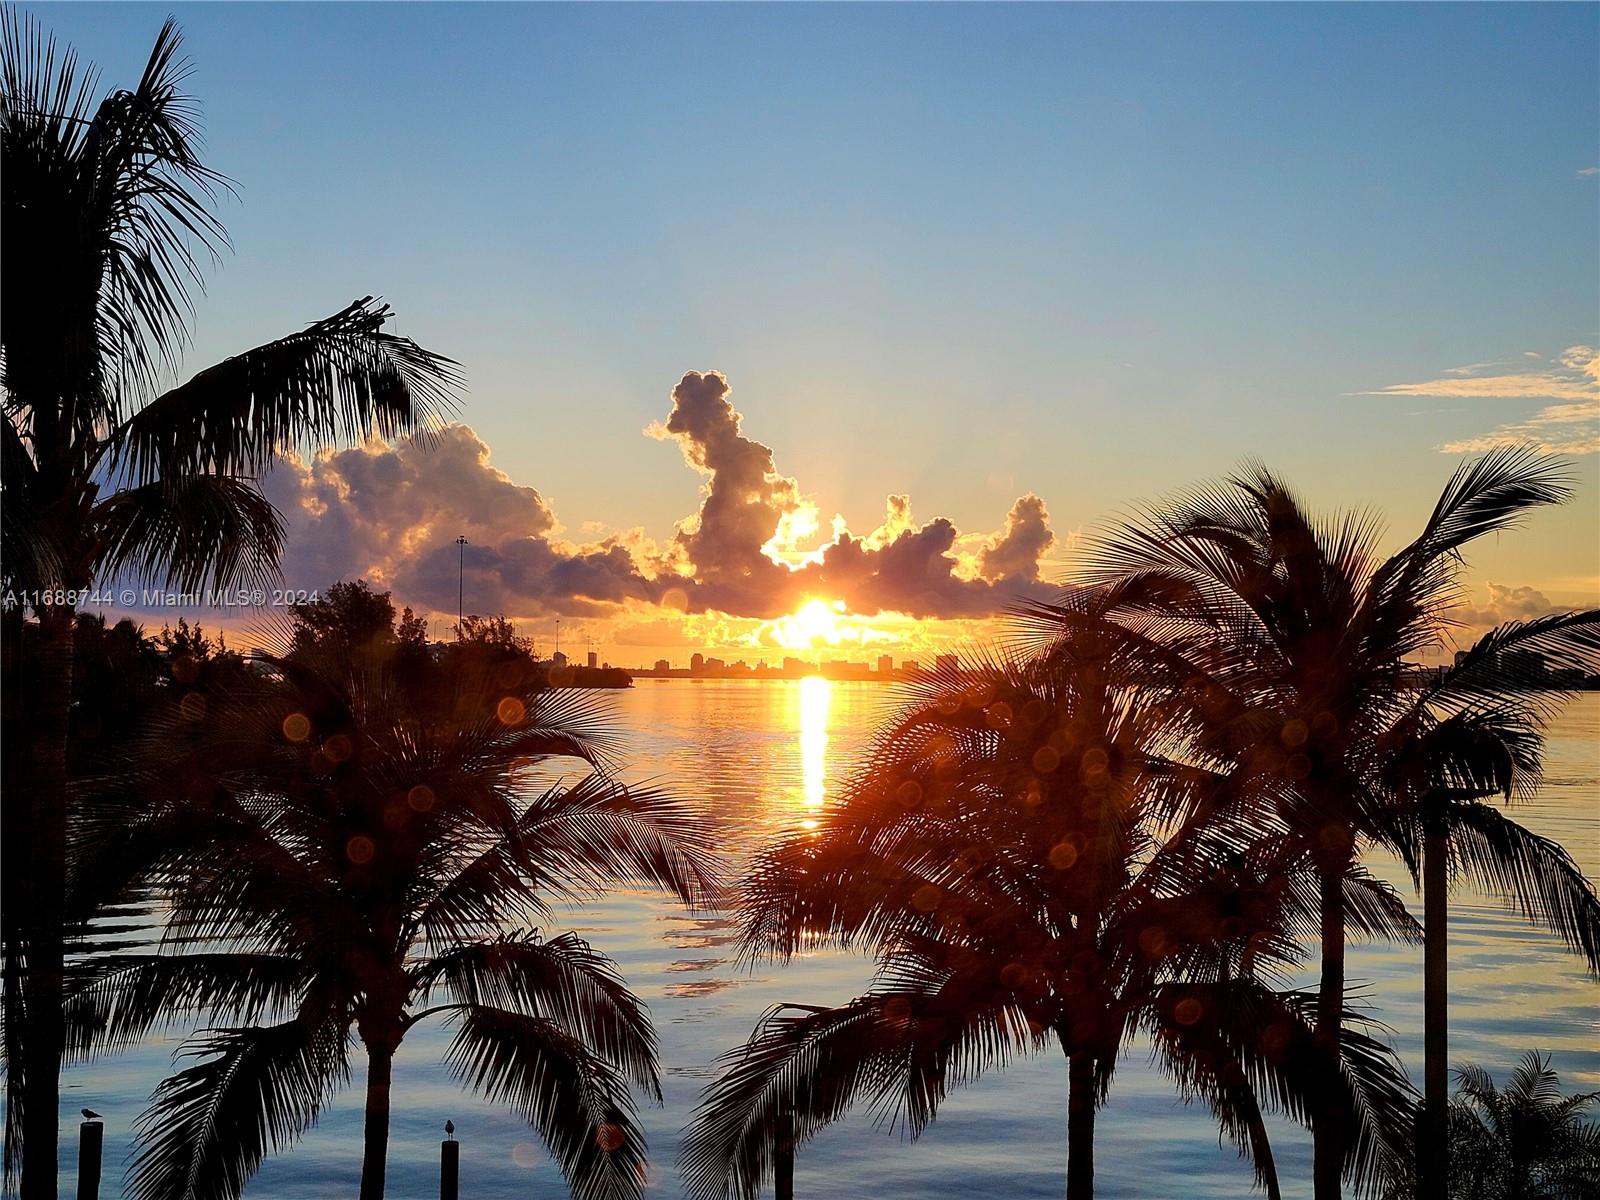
(814, 623)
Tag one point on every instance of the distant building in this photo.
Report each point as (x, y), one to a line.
(663, 666)
(594, 660)
(697, 662)
(911, 666)
(946, 662)
(558, 659)
(885, 664)
(793, 666)
(712, 664)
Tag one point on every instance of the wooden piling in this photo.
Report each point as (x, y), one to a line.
(449, 1170)
(91, 1143)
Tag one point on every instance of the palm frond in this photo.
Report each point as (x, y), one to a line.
(1375, 910)
(1522, 658)
(1490, 494)
(1215, 1037)
(122, 996)
(579, 1102)
(1533, 873)
(804, 1067)
(253, 1090)
(580, 837)
(562, 980)
(191, 531)
(341, 378)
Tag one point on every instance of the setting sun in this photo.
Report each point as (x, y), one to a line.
(816, 623)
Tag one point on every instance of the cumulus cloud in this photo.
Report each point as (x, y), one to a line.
(755, 548)
(1016, 553)
(391, 514)
(746, 501)
(743, 552)
(1505, 603)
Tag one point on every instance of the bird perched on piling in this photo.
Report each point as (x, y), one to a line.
(450, 1129)
(89, 1114)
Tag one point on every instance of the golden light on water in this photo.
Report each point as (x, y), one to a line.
(816, 697)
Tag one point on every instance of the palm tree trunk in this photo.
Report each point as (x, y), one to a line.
(1080, 1127)
(1433, 1154)
(783, 1160)
(51, 703)
(1328, 1135)
(375, 1155)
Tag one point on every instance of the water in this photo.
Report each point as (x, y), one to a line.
(767, 756)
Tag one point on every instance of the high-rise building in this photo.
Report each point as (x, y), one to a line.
(885, 664)
(663, 666)
(946, 662)
(911, 666)
(697, 662)
(594, 660)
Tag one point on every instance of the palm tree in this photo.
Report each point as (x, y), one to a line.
(344, 856)
(108, 214)
(1479, 744)
(1528, 1142)
(1285, 639)
(1001, 856)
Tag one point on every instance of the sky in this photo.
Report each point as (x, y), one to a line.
(887, 306)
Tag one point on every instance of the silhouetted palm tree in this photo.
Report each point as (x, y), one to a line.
(1285, 638)
(1528, 1142)
(1028, 867)
(1452, 757)
(108, 213)
(346, 855)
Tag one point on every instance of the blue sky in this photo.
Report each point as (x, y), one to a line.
(1093, 252)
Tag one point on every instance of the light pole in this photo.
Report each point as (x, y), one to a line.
(461, 587)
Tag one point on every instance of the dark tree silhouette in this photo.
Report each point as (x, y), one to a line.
(107, 217)
(1527, 1142)
(1485, 739)
(1285, 637)
(345, 857)
(1029, 867)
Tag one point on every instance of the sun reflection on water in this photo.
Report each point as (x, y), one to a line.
(816, 696)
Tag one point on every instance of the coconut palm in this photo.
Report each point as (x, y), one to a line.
(1451, 760)
(1001, 854)
(1285, 638)
(344, 858)
(1528, 1142)
(108, 217)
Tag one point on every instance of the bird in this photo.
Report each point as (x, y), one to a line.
(89, 1114)
(449, 1128)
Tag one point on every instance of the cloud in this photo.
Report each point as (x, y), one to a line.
(1504, 604)
(1016, 553)
(746, 501)
(1574, 374)
(754, 550)
(744, 551)
(1570, 426)
(1589, 171)
(391, 514)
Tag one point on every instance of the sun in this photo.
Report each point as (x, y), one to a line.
(814, 623)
